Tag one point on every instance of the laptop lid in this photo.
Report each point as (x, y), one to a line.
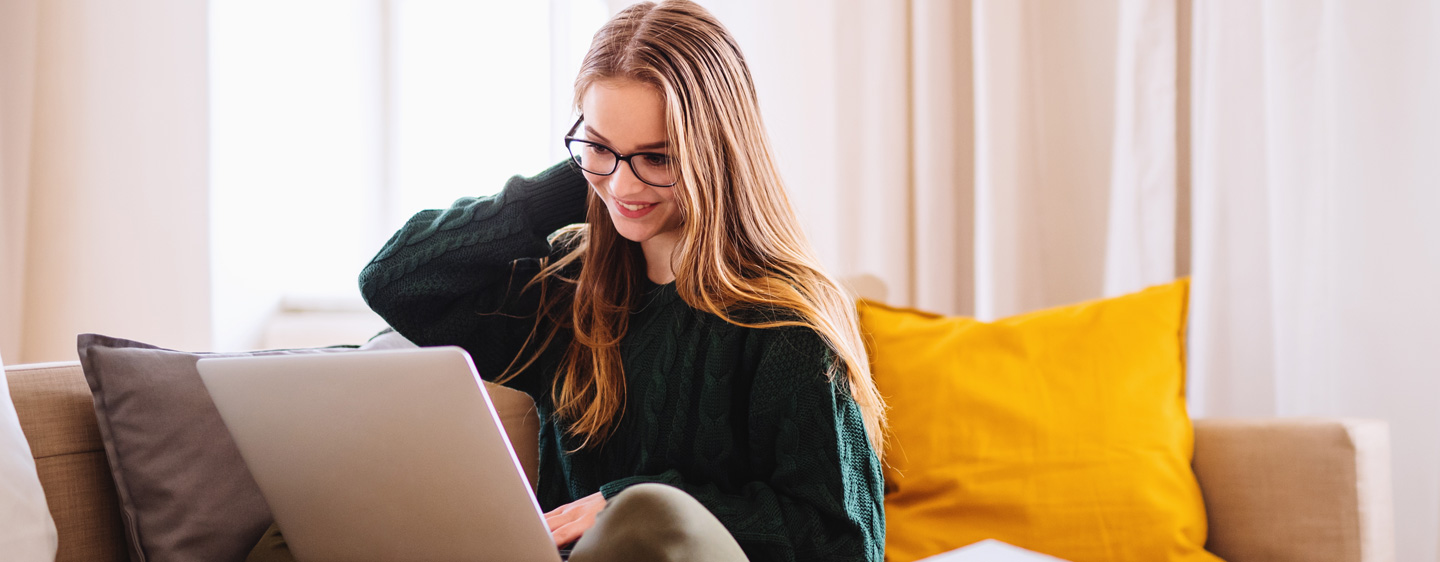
(380, 456)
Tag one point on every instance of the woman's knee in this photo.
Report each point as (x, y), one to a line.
(660, 522)
(652, 498)
(654, 513)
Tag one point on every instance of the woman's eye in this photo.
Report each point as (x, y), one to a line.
(657, 160)
(598, 150)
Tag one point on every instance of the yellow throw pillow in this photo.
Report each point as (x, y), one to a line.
(1063, 431)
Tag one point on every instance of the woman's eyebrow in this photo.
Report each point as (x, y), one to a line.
(592, 133)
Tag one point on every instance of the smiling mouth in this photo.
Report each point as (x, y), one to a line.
(633, 207)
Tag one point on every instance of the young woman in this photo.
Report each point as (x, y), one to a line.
(703, 390)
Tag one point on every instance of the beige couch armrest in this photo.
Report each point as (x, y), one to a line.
(1296, 489)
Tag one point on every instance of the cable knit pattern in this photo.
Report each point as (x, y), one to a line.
(745, 420)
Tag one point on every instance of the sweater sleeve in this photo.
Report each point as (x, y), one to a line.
(454, 276)
(821, 496)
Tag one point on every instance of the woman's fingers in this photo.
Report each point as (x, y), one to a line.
(571, 532)
(561, 516)
(571, 520)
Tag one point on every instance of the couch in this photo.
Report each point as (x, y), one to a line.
(1311, 490)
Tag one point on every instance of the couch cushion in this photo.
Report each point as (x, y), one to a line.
(1062, 431)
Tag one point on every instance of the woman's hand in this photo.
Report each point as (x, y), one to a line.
(571, 520)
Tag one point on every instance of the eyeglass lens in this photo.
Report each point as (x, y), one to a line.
(651, 168)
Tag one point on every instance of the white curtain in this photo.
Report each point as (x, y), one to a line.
(998, 156)
(1316, 244)
(17, 77)
(1075, 151)
(981, 157)
(103, 174)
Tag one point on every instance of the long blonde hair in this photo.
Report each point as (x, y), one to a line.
(741, 246)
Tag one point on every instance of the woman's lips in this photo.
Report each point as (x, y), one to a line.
(634, 209)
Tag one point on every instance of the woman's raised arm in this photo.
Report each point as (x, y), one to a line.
(454, 276)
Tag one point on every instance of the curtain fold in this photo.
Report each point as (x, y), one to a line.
(103, 175)
(17, 66)
(1315, 242)
(981, 157)
(943, 157)
(1140, 243)
(1230, 152)
(873, 147)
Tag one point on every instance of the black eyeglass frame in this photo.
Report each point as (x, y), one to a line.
(570, 137)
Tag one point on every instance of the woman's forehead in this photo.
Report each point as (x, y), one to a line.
(624, 112)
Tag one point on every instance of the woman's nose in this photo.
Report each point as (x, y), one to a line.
(623, 182)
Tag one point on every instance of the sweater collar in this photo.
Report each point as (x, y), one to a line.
(655, 294)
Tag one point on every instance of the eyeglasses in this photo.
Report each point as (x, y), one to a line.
(650, 167)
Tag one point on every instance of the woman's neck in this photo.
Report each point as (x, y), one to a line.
(658, 251)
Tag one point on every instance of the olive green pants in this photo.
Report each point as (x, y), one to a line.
(650, 522)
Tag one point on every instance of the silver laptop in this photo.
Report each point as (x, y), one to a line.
(380, 456)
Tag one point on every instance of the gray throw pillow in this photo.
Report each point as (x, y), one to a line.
(185, 494)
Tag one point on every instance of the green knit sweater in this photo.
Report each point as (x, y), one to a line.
(743, 419)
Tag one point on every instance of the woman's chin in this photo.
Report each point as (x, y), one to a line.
(632, 232)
